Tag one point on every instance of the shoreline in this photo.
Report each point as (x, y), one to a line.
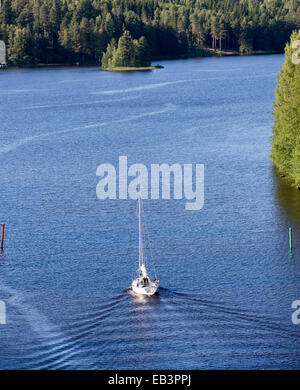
(205, 54)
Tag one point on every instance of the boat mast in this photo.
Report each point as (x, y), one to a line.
(141, 258)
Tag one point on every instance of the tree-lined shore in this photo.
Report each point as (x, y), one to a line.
(286, 130)
(70, 31)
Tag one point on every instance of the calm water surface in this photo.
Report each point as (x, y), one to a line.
(227, 278)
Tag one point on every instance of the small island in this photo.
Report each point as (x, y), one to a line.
(128, 55)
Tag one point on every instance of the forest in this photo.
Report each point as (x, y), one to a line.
(286, 135)
(79, 31)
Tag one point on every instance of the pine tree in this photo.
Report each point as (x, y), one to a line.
(125, 50)
(221, 34)
(142, 53)
(107, 58)
(84, 37)
(44, 18)
(18, 45)
(214, 32)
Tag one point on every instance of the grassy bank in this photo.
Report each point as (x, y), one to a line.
(208, 52)
(131, 68)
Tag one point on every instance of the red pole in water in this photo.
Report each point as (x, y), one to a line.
(2, 236)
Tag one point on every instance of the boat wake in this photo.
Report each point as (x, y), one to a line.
(217, 309)
(140, 88)
(89, 103)
(52, 351)
(15, 145)
(110, 331)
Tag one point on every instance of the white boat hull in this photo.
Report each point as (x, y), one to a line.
(143, 284)
(148, 290)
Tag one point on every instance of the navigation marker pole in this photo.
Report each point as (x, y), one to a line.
(2, 236)
(291, 239)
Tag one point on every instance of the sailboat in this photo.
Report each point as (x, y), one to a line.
(143, 284)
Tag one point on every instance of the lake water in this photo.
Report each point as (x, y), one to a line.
(227, 278)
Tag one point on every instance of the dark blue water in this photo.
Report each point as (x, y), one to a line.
(227, 279)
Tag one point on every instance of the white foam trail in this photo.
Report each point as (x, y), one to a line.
(19, 91)
(168, 107)
(77, 104)
(17, 144)
(159, 85)
(49, 333)
(150, 86)
(38, 322)
(73, 81)
(140, 88)
(191, 130)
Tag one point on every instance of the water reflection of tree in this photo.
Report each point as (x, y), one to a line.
(287, 197)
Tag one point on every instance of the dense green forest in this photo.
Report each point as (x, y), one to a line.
(68, 31)
(286, 131)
